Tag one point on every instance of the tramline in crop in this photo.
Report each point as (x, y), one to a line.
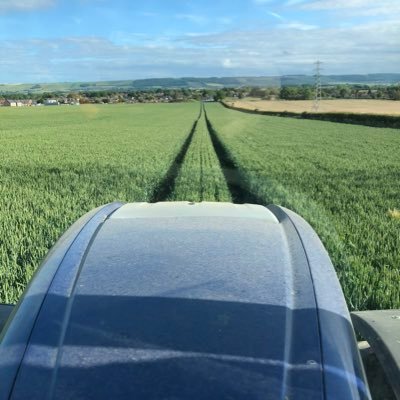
(200, 177)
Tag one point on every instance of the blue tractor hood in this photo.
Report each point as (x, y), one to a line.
(183, 301)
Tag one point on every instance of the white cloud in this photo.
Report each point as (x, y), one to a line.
(367, 48)
(345, 50)
(339, 4)
(24, 5)
(276, 15)
(297, 26)
(227, 63)
(356, 7)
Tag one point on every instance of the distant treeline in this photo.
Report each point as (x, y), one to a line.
(302, 92)
(306, 92)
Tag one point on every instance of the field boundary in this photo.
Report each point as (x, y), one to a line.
(236, 180)
(166, 186)
(374, 120)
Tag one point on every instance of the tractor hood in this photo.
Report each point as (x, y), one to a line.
(183, 301)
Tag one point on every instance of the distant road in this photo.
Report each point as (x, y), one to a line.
(382, 107)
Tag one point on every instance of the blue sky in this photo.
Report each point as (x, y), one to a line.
(86, 40)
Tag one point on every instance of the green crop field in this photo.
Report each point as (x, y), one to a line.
(343, 179)
(56, 163)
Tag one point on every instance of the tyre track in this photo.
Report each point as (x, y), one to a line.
(235, 178)
(167, 185)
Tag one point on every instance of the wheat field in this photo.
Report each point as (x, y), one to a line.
(379, 107)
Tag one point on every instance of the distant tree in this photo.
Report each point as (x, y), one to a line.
(185, 92)
(257, 92)
(196, 95)
(219, 95)
(274, 92)
(394, 92)
(288, 93)
(344, 92)
(306, 92)
(72, 96)
(84, 100)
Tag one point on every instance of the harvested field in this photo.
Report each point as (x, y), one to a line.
(379, 107)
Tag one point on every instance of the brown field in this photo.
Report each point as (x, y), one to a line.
(386, 107)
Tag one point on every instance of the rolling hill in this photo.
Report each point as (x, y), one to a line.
(198, 83)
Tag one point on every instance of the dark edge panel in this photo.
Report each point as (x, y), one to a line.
(344, 374)
(5, 311)
(16, 333)
(381, 329)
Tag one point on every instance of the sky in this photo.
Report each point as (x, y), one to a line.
(91, 40)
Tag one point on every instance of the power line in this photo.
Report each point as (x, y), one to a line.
(318, 86)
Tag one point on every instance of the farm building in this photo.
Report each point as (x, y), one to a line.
(13, 103)
(51, 102)
(16, 103)
(28, 102)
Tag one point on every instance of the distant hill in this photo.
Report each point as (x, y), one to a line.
(199, 83)
(371, 79)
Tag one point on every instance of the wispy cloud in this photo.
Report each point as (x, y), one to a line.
(276, 15)
(355, 7)
(227, 63)
(297, 26)
(344, 50)
(225, 20)
(197, 19)
(24, 5)
(294, 2)
(262, 1)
